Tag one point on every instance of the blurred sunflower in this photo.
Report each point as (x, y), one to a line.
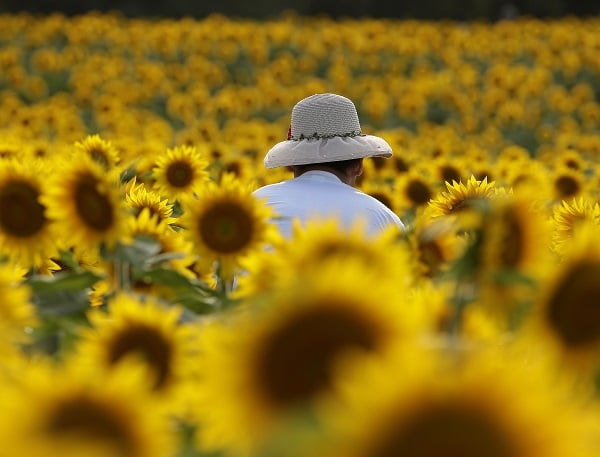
(61, 410)
(529, 178)
(448, 169)
(566, 314)
(84, 203)
(318, 242)
(224, 224)
(99, 150)
(26, 234)
(171, 242)
(568, 184)
(281, 353)
(17, 313)
(568, 216)
(143, 329)
(179, 172)
(512, 253)
(381, 191)
(434, 245)
(482, 406)
(413, 190)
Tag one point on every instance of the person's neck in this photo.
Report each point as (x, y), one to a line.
(344, 177)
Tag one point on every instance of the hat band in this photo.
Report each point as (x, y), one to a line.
(316, 136)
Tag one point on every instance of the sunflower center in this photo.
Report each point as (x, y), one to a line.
(150, 344)
(20, 212)
(566, 186)
(451, 431)
(574, 310)
(383, 198)
(179, 174)
(512, 242)
(90, 420)
(226, 228)
(450, 173)
(418, 192)
(296, 360)
(99, 155)
(93, 207)
(400, 165)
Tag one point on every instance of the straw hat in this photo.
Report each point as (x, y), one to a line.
(325, 128)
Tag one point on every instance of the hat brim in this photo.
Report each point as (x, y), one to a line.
(320, 150)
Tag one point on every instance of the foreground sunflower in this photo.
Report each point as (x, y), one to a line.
(180, 171)
(139, 329)
(84, 202)
(26, 234)
(281, 353)
(61, 410)
(512, 254)
(567, 312)
(419, 405)
(224, 224)
(17, 313)
(317, 242)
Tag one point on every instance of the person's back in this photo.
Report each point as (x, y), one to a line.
(324, 150)
(321, 195)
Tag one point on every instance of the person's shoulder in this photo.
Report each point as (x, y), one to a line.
(271, 189)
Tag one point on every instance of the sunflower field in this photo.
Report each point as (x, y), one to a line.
(150, 309)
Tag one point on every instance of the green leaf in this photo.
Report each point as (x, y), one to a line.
(169, 277)
(62, 282)
(54, 303)
(164, 257)
(136, 253)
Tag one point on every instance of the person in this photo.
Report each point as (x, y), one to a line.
(324, 150)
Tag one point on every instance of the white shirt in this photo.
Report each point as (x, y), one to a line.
(320, 195)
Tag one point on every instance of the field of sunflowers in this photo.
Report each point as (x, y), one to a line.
(150, 309)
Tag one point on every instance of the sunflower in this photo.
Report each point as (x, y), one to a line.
(138, 198)
(17, 313)
(26, 234)
(513, 250)
(99, 150)
(170, 241)
(224, 224)
(434, 246)
(421, 404)
(173, 252)
(140, 328)
(63, 410)
(84, 202)
(448, 169)
(317, 242)
(528, 178)
(381, 191)
(181, 171)
(413, 190)
(462, 198)
(281, 352)
(566, 313)
(568, 184)
(568, 215)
